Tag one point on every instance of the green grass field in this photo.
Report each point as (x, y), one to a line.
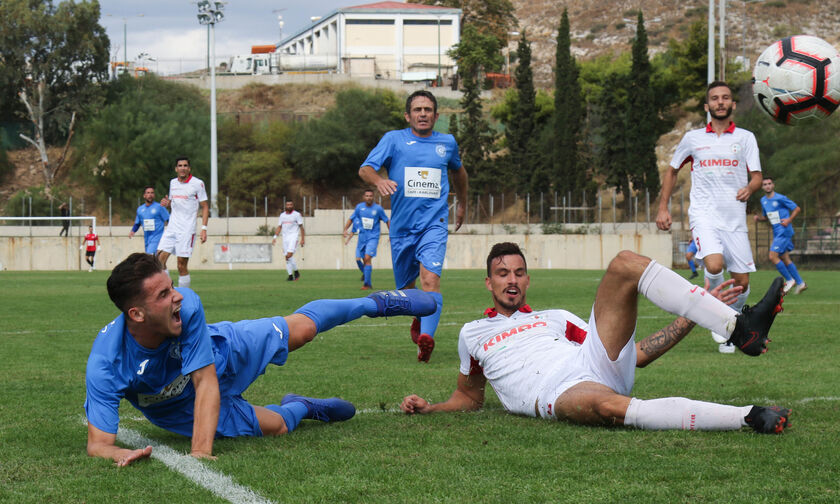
(48, 322)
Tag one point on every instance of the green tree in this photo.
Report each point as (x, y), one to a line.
(641, 117)
(521, 129)
(611, 127)
(686, 63)
(134, 139)
(494, 17)
(330, 149)
(52, 58)
(568, 174)
(475, 53)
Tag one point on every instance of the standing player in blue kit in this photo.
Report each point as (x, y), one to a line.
(152, 217)
(366, 217)
(419, 162)
(780, 211)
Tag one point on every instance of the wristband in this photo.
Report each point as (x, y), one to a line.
(204, 228)
(275, 237)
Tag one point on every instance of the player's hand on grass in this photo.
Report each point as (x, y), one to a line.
(202, 455)
(663, 220)
(723, 293)
(414, 404)
(133, 455)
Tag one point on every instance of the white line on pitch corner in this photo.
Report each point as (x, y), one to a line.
(219, 484)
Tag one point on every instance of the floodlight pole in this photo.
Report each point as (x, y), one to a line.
(214, 162)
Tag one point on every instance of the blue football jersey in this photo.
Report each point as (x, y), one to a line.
(420, 167)
(777, 208)
(156, 382)
(152, 219)
(368, 218)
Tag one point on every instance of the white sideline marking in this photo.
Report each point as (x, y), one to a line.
(217, 483)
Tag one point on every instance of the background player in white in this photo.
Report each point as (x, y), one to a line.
(186, 194)
(725, 171)
(554, 365)
(290, 223)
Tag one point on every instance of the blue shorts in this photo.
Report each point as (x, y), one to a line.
(409, 251)
(367, 246)
(242, 351)
(691, 248)
(782, 244)
(152, 245)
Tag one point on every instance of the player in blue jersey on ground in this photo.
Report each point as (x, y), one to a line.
(419, 162)
(152, 217)
(188, 377)
(780, 211)
(368, 215)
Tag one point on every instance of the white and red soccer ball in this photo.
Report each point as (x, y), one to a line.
(797, 78)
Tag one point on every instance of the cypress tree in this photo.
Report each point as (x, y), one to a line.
(568, 173)
(641, 117)
(523, 124)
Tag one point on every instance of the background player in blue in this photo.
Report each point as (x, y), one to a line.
(188, 377)
(152, 217)
(359, 245)
(419, 160)
(690, 252)
(368, 215)
(780, 211)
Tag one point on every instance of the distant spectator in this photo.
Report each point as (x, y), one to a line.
(65, 224)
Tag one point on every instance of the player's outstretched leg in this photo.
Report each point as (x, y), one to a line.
(403, 302)
(753, 323)
(333, 409)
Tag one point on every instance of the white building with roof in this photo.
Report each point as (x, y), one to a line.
(388, 40)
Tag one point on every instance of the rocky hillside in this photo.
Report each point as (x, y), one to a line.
(607, 26)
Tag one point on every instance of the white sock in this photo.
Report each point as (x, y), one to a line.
(742, 299)
(679, 413)
(293, 263)
(184, 281)
(714, 280)
(676, 295)
(289, 263)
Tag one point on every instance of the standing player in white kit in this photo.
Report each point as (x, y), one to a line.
(290, 223)
(186, 194)
(725, 171)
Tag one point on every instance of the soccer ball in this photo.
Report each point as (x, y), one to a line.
(797, 78)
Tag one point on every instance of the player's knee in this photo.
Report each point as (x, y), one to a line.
(628, 264)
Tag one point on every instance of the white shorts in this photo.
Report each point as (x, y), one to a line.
(289, 245)
(592, 364)
(179, 244)
(733, 245)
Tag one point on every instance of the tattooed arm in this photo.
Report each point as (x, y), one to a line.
(651, 348)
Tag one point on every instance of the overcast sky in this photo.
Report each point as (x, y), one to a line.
(168, 30)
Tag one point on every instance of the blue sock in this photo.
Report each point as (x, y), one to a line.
(428, 324)
(292, 413)
(360, 265)
(328, 313)
(368, 269)
(783, 270)
(692, 266)
(794, 273)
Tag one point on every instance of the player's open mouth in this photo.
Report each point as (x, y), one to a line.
(176, 316)
(512, 291)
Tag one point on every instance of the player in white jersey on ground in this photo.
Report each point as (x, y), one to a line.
(552, 364)
(290, 223)
(725, 171)
(186, 195)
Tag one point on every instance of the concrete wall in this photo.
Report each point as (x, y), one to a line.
(326, 251)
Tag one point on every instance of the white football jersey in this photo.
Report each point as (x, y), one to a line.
(291, 223)
(719, 168)
(184, 200)
(515, 353)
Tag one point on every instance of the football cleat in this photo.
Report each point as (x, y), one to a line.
(753, 323)
(403, 302)
(799, 288)
(768, 419)
(789, 285)
(415, 330)
(291, 278)
(333, 409)
(693, 275)
(366, 287)
(425, 346)
(297, 274)
(726, 348)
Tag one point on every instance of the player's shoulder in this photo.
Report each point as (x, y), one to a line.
(108, 341)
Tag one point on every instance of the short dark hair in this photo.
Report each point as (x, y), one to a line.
(768, 177)
(419, 93)
(368, 191)
(126, 281)
(149, 187)
(503, 249)
(714, 84)
(182, 158)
